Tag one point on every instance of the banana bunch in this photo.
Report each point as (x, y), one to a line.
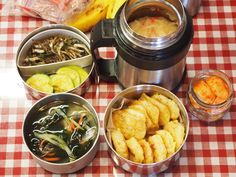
(114, 7)
(93, 13)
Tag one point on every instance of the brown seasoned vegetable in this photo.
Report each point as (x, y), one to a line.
(55, 49)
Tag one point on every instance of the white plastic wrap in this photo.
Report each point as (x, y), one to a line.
(52, 10)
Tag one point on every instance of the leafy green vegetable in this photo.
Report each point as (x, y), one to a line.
(55, 140)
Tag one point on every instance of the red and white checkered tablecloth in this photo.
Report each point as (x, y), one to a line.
(210, 150)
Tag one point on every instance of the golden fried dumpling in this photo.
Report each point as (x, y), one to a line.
(158, 147)
(203, 91)
(130, 122)
(219, 88)
(147, 151)
(176, 130)
(138, 106)
(139, 119)
(119, 143)
(152, 112)
(135, 149)
(173, 107)
(164, 111)
(168, 141)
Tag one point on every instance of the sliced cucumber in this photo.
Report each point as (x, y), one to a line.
(40, 82)
(71, 73)
(82, 73)
(61, 83)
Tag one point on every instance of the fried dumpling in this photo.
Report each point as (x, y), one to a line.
(173, 107)
(152, 112)
(138, 106)
(158, 147)
(119, 143)
(176, 130)
(164, 111)
(135, 149)
(168, 141)
(130, 122)
(147, 151)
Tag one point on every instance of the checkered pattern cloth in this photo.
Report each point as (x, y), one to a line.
(210, 149)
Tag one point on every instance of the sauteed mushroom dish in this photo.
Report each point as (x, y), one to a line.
(55, 49)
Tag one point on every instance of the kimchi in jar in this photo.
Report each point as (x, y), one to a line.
(210, 95)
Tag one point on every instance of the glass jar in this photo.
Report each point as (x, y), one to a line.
(203, 110)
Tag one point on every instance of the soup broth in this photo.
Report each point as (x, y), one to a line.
(62, 132)
(154, 26)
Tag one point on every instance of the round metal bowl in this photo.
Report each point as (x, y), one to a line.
(44, 32)
(69, 167)
(134, 93)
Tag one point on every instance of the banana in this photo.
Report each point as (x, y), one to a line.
(114, 7)
(92, 14)
(110, 8)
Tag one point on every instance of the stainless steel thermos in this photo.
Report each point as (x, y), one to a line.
(140, 59)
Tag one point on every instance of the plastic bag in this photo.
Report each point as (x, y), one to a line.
(52, 10)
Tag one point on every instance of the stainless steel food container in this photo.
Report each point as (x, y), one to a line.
(192, 6)
(62, 167)
(135, 92)
(140, 59)
(45, 32)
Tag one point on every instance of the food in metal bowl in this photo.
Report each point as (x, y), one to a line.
(62, 43)
(145, 127)
(61, 132)
(55, 49)
(149, 129)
